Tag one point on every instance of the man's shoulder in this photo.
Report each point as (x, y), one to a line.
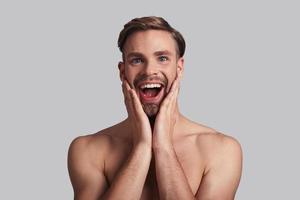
(97, 143)
(213, 142)
(90, 141)
(88, 147)
(218, 146)
(210, 136)
(216, 138)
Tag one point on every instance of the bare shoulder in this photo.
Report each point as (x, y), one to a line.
(87, 152)
(211, 140)
(223, 166)
(90, 146)
(214, 145)
(79, 147)
(221, 142)
(86, 163)
(94, 148)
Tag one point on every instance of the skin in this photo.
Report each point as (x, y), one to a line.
(171, 157)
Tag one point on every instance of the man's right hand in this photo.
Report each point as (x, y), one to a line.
(140, 125)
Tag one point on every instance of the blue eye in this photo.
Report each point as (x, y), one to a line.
(163, 58)
(136, 61)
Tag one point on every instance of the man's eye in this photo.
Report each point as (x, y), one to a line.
(163, 58)
(136, 61)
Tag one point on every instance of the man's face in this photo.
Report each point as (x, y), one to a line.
(150, 66)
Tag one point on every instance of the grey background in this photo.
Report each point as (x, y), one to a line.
(59, 80)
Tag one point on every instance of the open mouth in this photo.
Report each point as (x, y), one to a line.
(151, 92)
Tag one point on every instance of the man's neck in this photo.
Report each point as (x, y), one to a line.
(152, 121)
(176, 113)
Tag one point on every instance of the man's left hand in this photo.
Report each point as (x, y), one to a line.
(166, 118)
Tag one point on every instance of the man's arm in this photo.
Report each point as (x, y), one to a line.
(224, 172)
(89, 181)
(129, 182)
(171, 180)
(86, 176)
(220, 182)
(223, 177)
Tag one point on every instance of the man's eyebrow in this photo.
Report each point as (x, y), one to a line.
(134, 54)
(156, 53)
(163, 52)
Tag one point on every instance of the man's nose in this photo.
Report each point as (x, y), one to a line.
(150, 68)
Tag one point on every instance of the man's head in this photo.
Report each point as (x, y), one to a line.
(152, 53)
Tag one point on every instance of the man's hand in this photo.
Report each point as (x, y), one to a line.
(171, 180)
(166, 118)
(141, 129)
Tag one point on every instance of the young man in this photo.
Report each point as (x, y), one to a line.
(156, 153)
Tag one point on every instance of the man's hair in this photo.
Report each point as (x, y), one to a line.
(150, 23)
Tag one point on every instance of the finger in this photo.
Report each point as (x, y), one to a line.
(125, 92)
(174, 98)
(127, 98)
(136, 103)
(132, 93)
(174, 85)
(171, 94)
(176, 89)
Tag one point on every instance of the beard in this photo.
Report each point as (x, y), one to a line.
(151, 110)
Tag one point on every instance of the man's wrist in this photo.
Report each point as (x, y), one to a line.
(142, 144)
(166, 147)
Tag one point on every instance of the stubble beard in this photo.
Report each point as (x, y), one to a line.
(151, 111)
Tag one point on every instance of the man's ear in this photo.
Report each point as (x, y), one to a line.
(180, 67)
(121, 67)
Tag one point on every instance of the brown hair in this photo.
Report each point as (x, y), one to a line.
(150, 23)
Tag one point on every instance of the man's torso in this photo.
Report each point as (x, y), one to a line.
(195, 148)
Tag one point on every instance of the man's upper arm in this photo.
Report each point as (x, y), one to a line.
(87, 179)
(223, 176)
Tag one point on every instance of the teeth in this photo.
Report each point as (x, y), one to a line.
(153, 85)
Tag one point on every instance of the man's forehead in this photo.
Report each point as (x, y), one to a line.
(150, 41)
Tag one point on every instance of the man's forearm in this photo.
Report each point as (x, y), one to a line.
(171, 180)
(129, 182)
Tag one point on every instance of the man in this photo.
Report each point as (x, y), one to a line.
(156, 153)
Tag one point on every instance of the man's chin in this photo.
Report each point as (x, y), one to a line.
(151, 110)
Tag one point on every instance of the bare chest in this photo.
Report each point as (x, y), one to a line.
(189, 157)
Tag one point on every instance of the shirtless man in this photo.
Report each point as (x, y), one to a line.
(156, 153)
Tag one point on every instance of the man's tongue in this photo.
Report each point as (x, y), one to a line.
(150, 93)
